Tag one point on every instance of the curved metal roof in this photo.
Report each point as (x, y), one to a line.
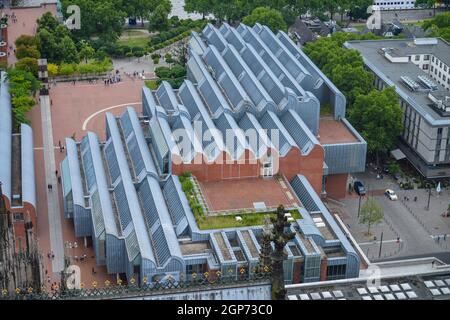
(5, 136)
(27, 158)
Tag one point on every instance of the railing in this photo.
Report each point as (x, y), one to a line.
(119, 291)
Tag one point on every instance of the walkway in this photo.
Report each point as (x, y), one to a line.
(54, 216)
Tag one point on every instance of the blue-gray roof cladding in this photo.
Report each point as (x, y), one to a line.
(225, 91)
(5, 136)
(28, 183)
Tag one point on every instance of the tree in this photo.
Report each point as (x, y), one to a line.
(86, 51)
(270, 17)
(371, 213)
(140, 9)
(203, 7)
(47, 44)
(104, 18)
(29, 65)
(352, 81)
(68, 51)
(25, 40)
(27, 52)
(378, 117)
(159, 18)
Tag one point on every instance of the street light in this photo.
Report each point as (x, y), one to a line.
(429, 196)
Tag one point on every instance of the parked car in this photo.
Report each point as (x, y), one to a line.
(391, 194)
(359, 188)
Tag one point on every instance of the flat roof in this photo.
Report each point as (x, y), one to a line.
(333, 131)
(241, 194)
(370, 50)
(194, 247)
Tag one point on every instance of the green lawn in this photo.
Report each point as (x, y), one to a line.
(141, 42)
(229, 221)
(151, 84)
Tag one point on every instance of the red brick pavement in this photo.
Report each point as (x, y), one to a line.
(241, 194)
(71, 105)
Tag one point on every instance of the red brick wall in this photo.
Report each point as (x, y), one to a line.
(336, 186)
(221, 170)
(29, 214)
(323, 269)
(4, 32)
(311, 166)
(297, 276)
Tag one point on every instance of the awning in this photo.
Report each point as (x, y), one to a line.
(398, 154)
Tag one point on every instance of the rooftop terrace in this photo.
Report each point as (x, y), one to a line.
(333, 131)
(237, 195)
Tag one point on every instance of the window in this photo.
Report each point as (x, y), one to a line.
(18, 216)
(427, 57)
(417, 58)
(425, 67)
(336, 272)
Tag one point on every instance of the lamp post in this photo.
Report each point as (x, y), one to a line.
(359, 206)
(429, 196)
(381, 244)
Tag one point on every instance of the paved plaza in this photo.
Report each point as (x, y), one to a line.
(71, 110)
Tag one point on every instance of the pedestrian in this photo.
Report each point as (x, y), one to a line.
(445, 237)
(438, 238)
(432, 263)
(56, 172)
(49, 187)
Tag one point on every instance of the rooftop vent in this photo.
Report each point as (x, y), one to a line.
(410, 83)
(425, 41)
(428, 83)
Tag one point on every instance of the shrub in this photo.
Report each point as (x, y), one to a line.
(27, 52)
(52, 69)
(66, 69)
(28, 41)
(29, 65)
(151, 84)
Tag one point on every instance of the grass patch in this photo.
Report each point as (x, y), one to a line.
(141, 42)
(248, 220)
(151, 84)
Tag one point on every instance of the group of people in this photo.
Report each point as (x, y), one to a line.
(114, 79)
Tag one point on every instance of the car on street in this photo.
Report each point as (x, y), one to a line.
(391, 194)
(359, 188)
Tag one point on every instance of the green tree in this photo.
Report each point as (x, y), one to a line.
(29, 65)
(68, 51)
(270, 17)
(140, 9)
(47, 21)
(25, 40)
(378, 117)
(203, 7)
(104, 18)
(47, 44)
(352, 81)
(27, 52)
(86, 51)
(371, 213)
(159, 18)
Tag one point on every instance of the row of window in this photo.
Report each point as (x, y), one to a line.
(394, 3)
